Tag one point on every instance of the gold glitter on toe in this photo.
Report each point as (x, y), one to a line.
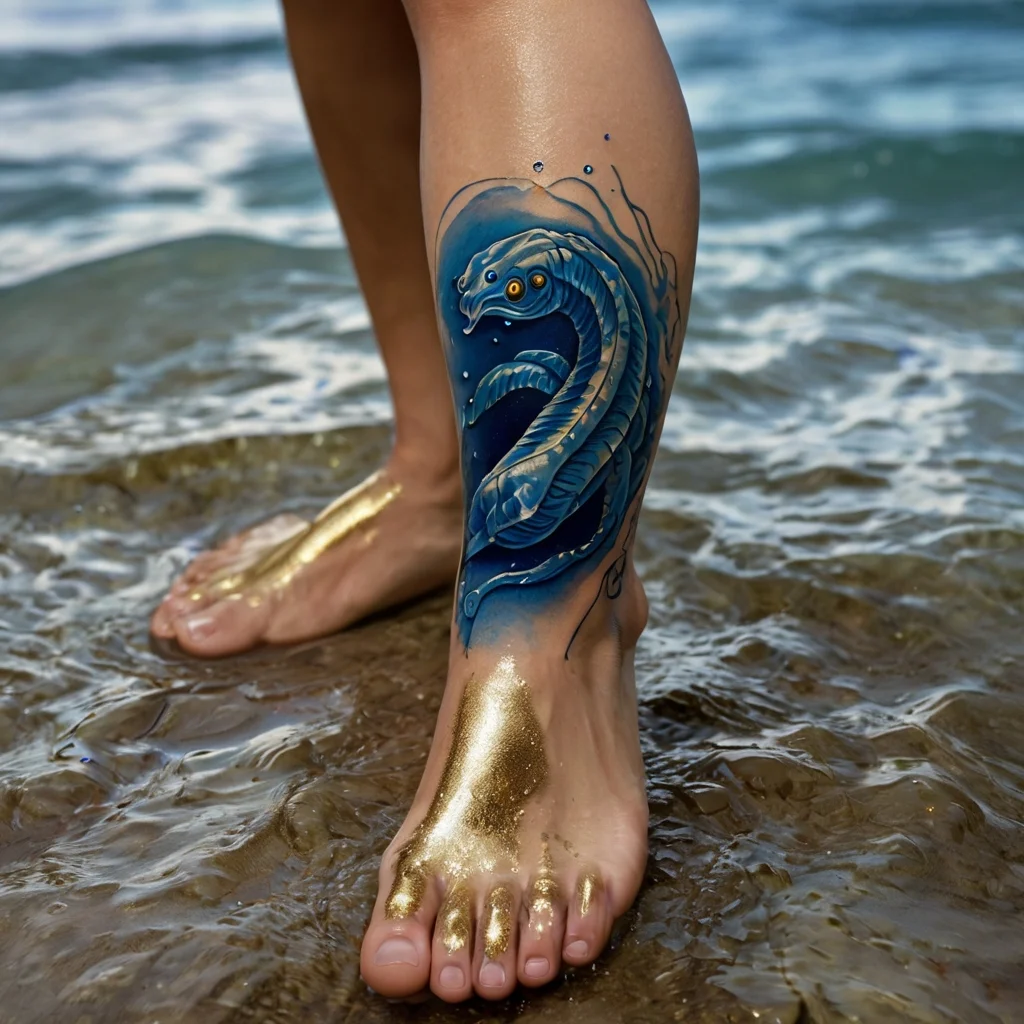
(406, 894)
(495, 763)
(543, 892)
(456, 919)
(588, 888)
(277, 567)
(497, 922)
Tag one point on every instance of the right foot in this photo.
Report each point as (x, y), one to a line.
(393, 538)
(528, 835)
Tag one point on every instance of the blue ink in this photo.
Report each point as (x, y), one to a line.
(561, 434)
(85, 760)
(607, 137)
(538, 166)
(588, 169)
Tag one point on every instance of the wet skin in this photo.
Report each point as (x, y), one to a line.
(527, 837)
(392, 538)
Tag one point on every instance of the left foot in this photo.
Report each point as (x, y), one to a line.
(528, 834)
(393, 538)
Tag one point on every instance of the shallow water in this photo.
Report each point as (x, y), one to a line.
(831, 686)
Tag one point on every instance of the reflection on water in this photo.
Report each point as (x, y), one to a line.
(832, 697)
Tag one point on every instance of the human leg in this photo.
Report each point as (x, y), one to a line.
(288, 580)
(559, 189)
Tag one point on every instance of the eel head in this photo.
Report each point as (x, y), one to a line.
(514, 278)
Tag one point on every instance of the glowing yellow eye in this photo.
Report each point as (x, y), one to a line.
(514, 290)
(538, 280)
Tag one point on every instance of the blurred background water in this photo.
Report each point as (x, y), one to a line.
(831, 687)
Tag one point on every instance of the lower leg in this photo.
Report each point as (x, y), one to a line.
(358, 73)
(560, 203)
(288, 580)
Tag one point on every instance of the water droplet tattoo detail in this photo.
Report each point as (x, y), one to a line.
(564, 427)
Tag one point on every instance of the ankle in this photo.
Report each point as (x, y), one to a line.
(631, 608)
(429, 471)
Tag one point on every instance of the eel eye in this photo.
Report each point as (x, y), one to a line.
(491, 276)
(514, 290)
(538, 280)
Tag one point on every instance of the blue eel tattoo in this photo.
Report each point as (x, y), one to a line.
(563, 325)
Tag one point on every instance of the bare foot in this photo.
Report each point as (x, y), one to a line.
(392, 538)
(528, 834)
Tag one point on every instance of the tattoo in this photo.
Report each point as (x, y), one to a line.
(611, 582)
(563, 323)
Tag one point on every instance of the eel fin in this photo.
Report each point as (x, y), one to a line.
(508, 377)
(552, 360)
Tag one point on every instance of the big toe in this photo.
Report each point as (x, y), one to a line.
(395, 958)
(224, 627)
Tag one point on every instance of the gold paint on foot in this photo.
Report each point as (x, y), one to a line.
(498, 922)
(456, 919)
(588, 888)
(406, 895)
(278, 567)
(496, 762)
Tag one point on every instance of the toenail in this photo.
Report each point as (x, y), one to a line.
(199, 626)
(576, 949)
(396, 951)
(536, 967)
(452, 977)
(492, 975)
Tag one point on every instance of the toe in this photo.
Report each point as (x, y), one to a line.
(180, 603)
(225, 627)
(181, 600)
(161, 622)
(208, 562)
(451, 959)
(395, 958)
(540, 940)
(589, 922)
(497, 944)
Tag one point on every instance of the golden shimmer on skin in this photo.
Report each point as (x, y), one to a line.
(495, 763)
(277, 568)
(406, 894)
(588, 886)
(497, 922)
(456, 919)
(543, 892)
